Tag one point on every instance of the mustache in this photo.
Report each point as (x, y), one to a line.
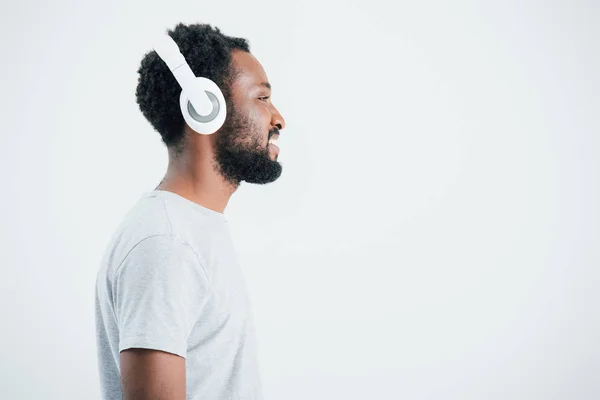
(272, 132)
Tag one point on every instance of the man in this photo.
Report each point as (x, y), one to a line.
(173, 318)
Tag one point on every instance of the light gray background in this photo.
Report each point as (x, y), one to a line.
(435, 234)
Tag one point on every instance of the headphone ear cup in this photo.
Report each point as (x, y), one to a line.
(204, 124)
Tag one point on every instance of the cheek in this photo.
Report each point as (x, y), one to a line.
(261, 119)
(263, 116)
(254, 116)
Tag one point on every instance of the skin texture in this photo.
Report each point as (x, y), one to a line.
(208, 172)
(152, 374)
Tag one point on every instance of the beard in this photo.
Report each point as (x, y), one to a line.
(239, 153)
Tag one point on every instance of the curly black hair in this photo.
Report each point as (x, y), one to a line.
(208, 52)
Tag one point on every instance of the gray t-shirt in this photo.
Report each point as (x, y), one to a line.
(170, 280)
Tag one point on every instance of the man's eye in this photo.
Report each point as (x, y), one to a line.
(264, 98)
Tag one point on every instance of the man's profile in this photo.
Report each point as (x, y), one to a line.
(173, 317)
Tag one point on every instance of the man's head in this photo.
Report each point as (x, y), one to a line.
(240, 148)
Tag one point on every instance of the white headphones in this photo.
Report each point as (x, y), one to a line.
(201, 101)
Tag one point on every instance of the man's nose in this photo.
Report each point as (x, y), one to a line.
(276, 119)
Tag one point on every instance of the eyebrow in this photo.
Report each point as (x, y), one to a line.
(265, 84)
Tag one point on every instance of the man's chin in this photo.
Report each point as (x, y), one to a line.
(268, 175)
(239, 164)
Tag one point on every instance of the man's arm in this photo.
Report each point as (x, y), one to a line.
(158, 290)
(152, 374)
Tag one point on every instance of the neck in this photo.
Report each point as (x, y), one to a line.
(192, 175)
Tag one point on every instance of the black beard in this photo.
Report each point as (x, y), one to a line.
(239, 155)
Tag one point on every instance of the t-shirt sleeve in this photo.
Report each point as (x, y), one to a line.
(159, 291)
